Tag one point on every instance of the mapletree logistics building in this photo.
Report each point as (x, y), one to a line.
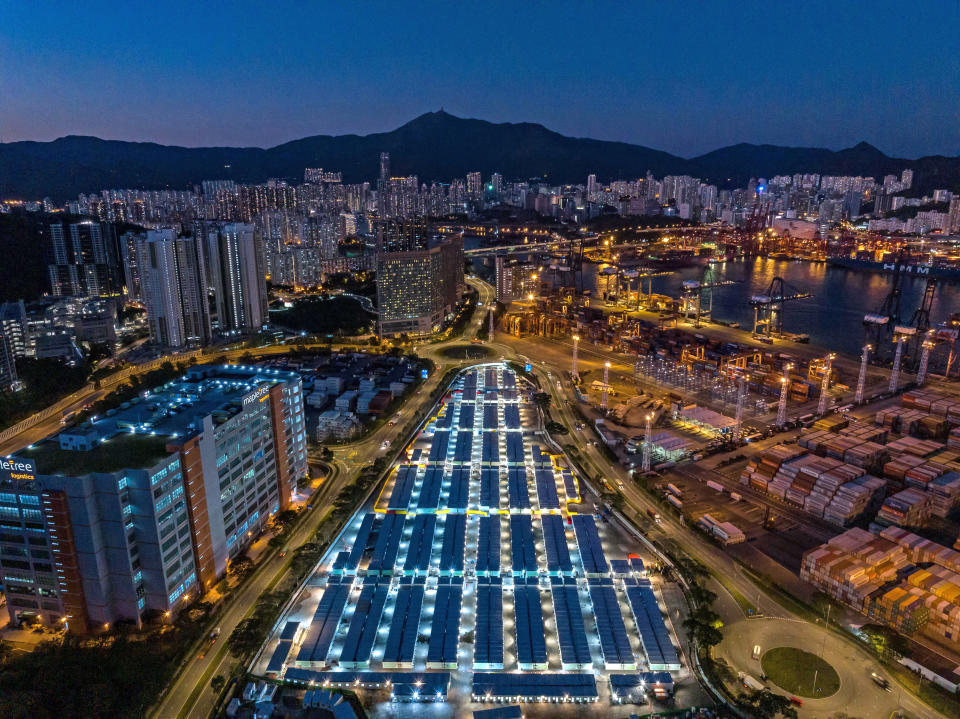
(124, 516)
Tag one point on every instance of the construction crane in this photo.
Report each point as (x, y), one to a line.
(575, 263)
(768, 307)
(878, 326)
(825, 384)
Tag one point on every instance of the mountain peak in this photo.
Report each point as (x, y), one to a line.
(435, 146)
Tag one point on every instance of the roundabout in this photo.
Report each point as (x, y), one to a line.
(800, 672)
(462, 351)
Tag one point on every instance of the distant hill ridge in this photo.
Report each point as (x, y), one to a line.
(435, 146)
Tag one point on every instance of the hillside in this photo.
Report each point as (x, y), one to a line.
(434, 146)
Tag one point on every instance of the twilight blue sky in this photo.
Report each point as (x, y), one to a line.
(686, 77)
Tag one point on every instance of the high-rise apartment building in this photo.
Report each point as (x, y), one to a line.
(172, 282)
(15, 327)
(591, 186)
(131, 265)
(8, 363)
(382, 183)
(419, 277)
(474, 186)
(133, 514)
(953, 215)
(235, 276)
(316, 175)
(86, 262)
(515, 279)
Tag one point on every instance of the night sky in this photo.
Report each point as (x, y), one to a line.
(686, 77)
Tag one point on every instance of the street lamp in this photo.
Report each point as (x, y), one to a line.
(573, 372)
(606, 385)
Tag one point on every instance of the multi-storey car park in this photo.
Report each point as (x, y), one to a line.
(472, 576)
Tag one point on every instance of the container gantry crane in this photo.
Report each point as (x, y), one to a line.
(921, 321)
(693, 293)
(768, 306)
(878, 326)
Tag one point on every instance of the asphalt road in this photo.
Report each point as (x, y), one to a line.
(849, 661)
(190, 695)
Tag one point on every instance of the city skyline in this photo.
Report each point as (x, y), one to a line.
(498, 360)
(693, 83)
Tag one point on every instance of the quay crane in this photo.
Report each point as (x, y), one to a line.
(921, 321)
(878, 326)
(693, 294)
(630, 274)
(693, 297)
(768, 307)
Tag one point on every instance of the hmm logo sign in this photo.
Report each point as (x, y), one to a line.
(19, 469)
(259, 396)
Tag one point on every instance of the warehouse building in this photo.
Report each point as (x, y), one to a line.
(134, 513)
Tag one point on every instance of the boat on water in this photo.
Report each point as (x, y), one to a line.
(939, 272)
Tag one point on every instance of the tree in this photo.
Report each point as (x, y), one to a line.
(282, 521)
(245, 638)
(218, 683)
(723, 670)
(885, 641)
(702, 595)
(708, 635)
(767, 705)
(556, 428)
(542, 400)
(241, 567)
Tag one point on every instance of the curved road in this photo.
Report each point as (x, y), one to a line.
(189, 696)
(852, 662)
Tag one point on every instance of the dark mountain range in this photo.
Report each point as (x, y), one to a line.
(434, 146)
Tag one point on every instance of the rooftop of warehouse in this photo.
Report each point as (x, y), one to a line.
(135, 434)
(123, 451)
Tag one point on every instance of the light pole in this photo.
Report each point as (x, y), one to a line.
(647, 443)
(928, 345)
(784, 388)
(573, 371)
(823, 648)
(606, 385)
(741, 391)
(862, 379)
(825, 384)
(900, 341)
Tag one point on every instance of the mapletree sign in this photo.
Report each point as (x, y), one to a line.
(18, 469)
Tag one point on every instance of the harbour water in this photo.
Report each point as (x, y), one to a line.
(832, 318)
